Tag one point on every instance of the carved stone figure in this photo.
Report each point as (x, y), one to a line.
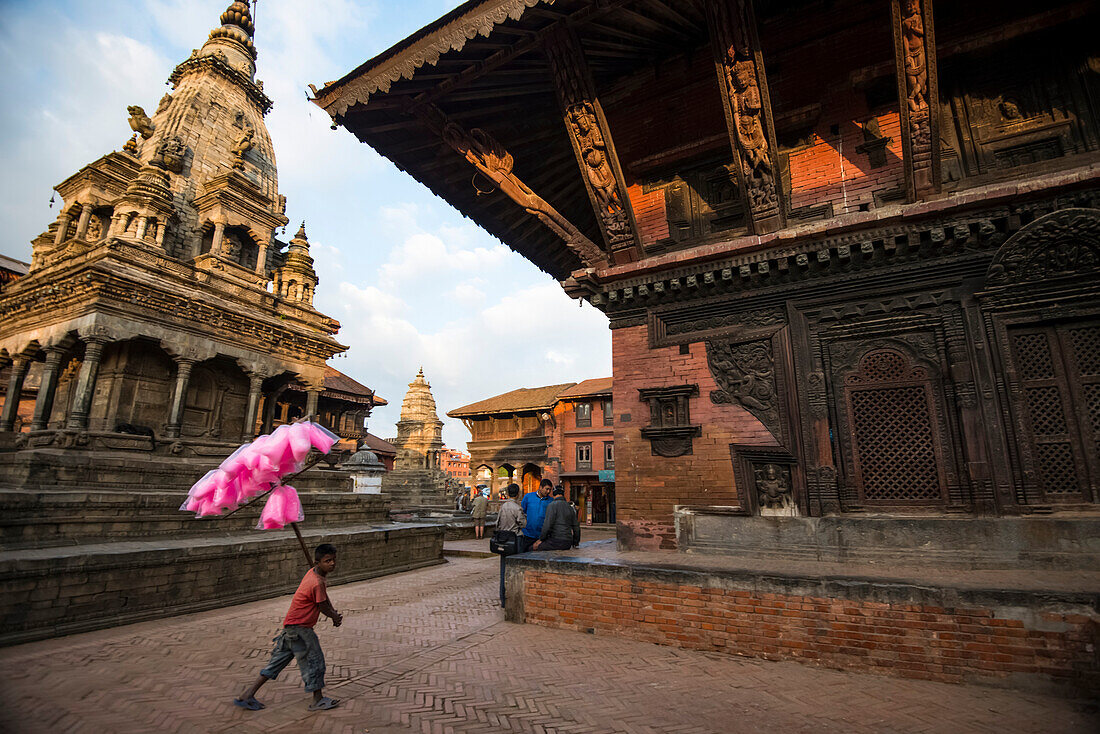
(95, 229)
(169, 155)
(140, 122)
(773, 489)
(242, 145)
(164, 102)
(916, 86)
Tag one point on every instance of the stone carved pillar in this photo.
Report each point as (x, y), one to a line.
(19, 367)
(162, 229)
(255, 382)
(219, 236)
(179, 397)
(142, 223)
(261, 259)
(82, 223)
(591, 138)
(85, 384)
(918, 93)
(62, 229)
(312, 396)
(747, 105)
(43, 405)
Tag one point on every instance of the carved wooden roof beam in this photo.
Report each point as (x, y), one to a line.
(495, 163)
(747, 105)
(593, 147)
(915, 62)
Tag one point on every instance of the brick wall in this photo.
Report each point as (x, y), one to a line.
(647, 486)
(909, 640)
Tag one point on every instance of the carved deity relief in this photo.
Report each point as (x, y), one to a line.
(140, 122)
(741, 80)
(242, 145)
(95, 229)
(745, 374)
(163, 104)
(773, 490)
(591, 142)
(917, 91)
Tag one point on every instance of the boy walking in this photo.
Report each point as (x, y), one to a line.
(298, 640)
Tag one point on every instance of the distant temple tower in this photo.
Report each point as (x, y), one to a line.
(419, 439)
(417, 477)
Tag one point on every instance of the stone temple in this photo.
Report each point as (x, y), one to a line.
(417, 479)
(161, 321)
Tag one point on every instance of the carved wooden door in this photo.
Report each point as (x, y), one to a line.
(1055, 396)
(893, 447)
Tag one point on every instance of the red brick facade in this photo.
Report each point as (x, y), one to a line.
(648, 492)
(913, 641)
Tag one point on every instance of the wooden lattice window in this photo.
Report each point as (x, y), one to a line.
(1057, 396)
(896, 451)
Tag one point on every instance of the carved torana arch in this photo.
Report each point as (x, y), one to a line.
(1061, 244)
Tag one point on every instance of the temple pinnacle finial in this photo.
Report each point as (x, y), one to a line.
(302, 231)
(239, 14)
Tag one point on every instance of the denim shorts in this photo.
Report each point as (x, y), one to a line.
(301, 643)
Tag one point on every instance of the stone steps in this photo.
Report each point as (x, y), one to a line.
(67, 589)
(31, 519)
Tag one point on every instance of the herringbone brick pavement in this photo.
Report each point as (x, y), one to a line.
(428, 651)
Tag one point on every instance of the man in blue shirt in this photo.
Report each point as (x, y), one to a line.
(534, 507)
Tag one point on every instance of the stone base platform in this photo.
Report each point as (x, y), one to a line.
(1058, 541)
(1021, 628)
(62, 590)
(129, 467)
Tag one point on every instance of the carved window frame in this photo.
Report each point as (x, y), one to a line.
(583, 415)
(852, 381)
(584, 449)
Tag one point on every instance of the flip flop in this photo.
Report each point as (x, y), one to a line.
(324, 704)
(251, 704)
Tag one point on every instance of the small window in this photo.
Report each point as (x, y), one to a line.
(584, 415)
(609, 455)
(608, 413)
(584, 456)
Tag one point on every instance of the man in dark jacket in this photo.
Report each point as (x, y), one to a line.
(560, 529)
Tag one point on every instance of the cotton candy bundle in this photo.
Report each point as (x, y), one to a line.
(283, 507)
(254, 467)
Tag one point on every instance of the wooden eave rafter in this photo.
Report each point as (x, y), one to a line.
(497, 77)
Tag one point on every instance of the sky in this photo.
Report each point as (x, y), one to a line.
(413, 283)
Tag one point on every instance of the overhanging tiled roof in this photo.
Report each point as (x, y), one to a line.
(588, 388)
(379, 446)
(525, 398)
(339, 385)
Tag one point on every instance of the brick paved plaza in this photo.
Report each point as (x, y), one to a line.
(428, 651)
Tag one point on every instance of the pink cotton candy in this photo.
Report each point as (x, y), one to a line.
(300, 442)
(229, 496)
(321, 438)
(272, 515)
(283, 507)
(250, 487)
(292, 509)
(254, 452)
(234, 463)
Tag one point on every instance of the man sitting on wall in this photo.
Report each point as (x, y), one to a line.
(534, 508)
(560, 528)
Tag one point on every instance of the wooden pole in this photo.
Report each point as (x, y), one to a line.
(302, 542)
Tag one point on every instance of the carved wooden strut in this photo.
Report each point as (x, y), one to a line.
(592, 145)
(495, 163)
(744, 88)
(915, 60)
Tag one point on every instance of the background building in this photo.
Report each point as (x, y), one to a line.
(417, 478)
(585, 419)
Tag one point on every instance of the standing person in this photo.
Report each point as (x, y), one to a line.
(510, 519)
(298, 640)
(560, 529)
(478, 510)
(534, 507)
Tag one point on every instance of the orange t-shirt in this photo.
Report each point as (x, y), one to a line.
(304, 609)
